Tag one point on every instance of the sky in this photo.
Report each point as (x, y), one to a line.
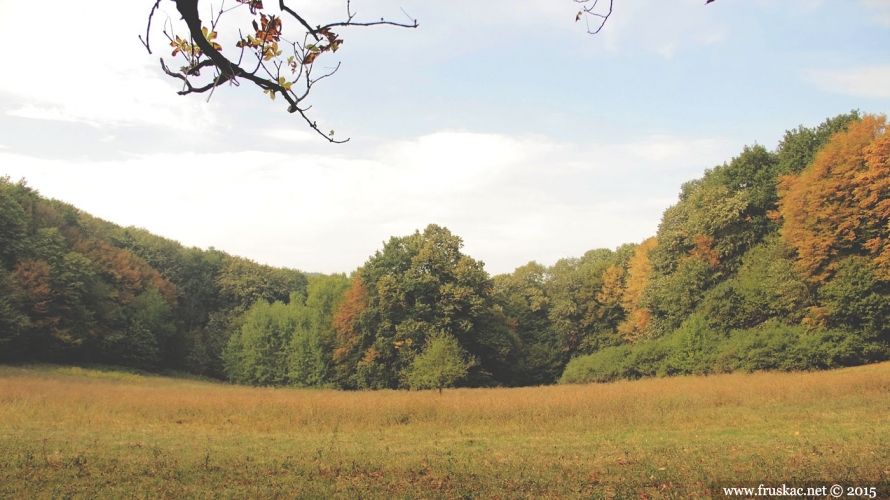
(502, 120)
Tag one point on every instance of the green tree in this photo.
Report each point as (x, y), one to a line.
(257, 353)
(701, 239)
(856, 299)
(799, 146)
(243, 282)
(767, 286)
(13, 222)
(585, 297)
(442, 363)
(14, 321)
(417, 285)
(312, 345)
(522, 296)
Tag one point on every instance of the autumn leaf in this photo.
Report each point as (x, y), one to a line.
(254, 5)
(269, 29)
(271, 52)
(210, 36)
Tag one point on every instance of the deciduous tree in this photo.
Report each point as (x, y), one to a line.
(440, 364)
(840, 205)
(637, 316)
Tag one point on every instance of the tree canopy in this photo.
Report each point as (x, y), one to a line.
(776, 259)
(440, 364)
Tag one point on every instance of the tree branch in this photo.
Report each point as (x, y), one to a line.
(201, 51)
(296, 16)
(148, 28)
(589, 11)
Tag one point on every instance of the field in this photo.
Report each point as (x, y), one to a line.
(81, 433)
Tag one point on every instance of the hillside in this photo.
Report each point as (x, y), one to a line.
(776, 260)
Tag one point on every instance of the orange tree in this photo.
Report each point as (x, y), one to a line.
(840, 205)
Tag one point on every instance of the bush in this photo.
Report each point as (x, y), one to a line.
(695, 349)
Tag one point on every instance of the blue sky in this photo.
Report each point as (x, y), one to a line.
(502, 120)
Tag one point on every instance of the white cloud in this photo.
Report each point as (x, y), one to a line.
(87, 65)
(871, 82)
(512, 199)
(46, 113)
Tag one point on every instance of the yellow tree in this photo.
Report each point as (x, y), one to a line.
(840, 206)
(638, 271)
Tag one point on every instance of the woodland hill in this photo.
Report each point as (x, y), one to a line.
(776, 260)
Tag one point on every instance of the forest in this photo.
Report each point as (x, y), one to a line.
(776, 260)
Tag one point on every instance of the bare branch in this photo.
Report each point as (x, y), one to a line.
(148, 27)
(296, 16)
(374, 23)
(196, 69)
(314, 127)
(322, 77)
(589, 11)
(189, 89)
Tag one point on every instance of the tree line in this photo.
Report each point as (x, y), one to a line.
(778, 259)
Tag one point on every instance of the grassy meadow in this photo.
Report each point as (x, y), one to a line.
(82, 433)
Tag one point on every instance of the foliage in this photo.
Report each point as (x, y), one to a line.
(799, 146)
(525, 301)
(417, 285)
(440, 364)
(257, 353)
(586, 299)
(13, 222)
(311, 354)
(287, 343)
(767, 286)
(775, 260)
(639, 269)
(840, 205)
(13, 320)
(856, 298)
(348, 322)
(78, 289)
(696, 349)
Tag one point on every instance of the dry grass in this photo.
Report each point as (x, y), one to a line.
(83, 433)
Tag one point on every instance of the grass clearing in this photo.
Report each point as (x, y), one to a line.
(82, 433)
